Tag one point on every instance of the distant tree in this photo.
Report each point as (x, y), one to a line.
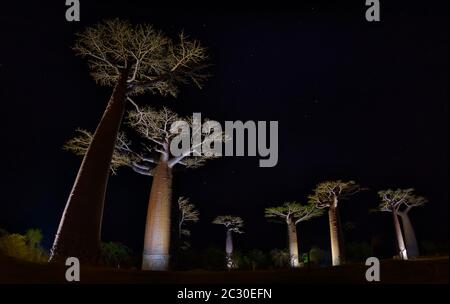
(257, 259)
(114, 254)
(292, 213)
(242, 260)
(155, 159)
(14, 245)
(318, 257)
(187, 213)
(328, 195)
(251, 260)
(280, 258)
(33, 237)
(233, 224)
(212, 259)
(358, 251)
(410, 236)
(399, 202)
(24, 247)
(134, 60)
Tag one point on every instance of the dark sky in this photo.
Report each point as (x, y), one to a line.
(354, 100)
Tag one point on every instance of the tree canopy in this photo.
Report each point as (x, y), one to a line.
(328, 193)
(395, 200)
(187, 213)
(294, 211)
(25, 247)
(155, 63)
(232, 223)
(154, 128)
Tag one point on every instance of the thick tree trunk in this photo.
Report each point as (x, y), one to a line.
(157, 229)
(410, 236)
(337, 248)
(293, 244)
(79, 230)
(229, 249)
(400, 243)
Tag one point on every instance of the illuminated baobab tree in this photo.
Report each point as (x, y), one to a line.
(233, 224)
(328, 195)
(399, 202)
(293, 213)
(187, 213)
(410, 236)
(134, 60)
(157, 128)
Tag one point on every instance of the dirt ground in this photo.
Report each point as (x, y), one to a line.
(424, 270)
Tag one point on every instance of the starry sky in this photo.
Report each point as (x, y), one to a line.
(354, 100)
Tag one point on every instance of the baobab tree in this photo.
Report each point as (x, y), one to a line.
(187, 213)
(328, 195)
(160, 128)
(293, 213)
(399, 202)
(134, 60)
(233, 224)
(410, 236)
(157, 129)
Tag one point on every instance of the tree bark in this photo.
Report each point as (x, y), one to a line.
(400, 243)
(337, 248)
(229, 249)
(410, 236)
(293, 243)
(157, 229)
(79, 230)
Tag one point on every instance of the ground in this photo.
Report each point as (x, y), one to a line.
(423, 270)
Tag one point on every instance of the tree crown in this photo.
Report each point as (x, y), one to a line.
(188, 212)
(394, 200)
(154, 62)
(154, 128)
(233, 223)
(294, 212)
(328, 193)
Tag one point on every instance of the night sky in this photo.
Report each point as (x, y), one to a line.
(354, 100)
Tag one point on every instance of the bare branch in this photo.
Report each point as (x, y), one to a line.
(156, 63)
(188, 213)
(122, 155)
(156, 126)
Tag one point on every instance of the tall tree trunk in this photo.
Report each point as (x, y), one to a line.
(337, 248)
(410, 235)
(79, 230)
(400, 243)
(157, 229)
(293, 244)
(229, 249)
